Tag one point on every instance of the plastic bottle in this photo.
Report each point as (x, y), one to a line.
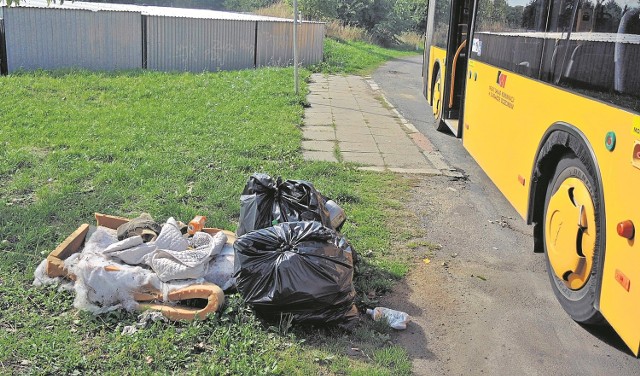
(397, 319)
(196, 224)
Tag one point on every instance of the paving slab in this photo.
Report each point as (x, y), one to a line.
(367, 159)
(318, 118)
(322, 156)
(343, 130)
(355, 137)
(317, 145)
(318, 111)
(406, 161)
(391, 134)
(402, 149)
(319, 133)
(352, 112)
(361, 147)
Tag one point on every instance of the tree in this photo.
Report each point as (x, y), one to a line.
(317, 9)
(246, 5)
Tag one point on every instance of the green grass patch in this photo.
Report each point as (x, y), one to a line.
(171, 144)
(352, 57)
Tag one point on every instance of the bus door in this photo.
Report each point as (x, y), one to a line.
(456, 64)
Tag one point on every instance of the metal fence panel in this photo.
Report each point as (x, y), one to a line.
(275, 43)
(197, 45)
(40, 38)
(3, 48)
(311, 40)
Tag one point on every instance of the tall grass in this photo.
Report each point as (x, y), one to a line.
(412, 40)
(336, 30)
(280, 10)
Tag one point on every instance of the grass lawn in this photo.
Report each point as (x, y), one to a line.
(172, 144)
(355, 57)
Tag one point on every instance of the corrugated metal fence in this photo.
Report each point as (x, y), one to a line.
(197, 45)
(275, 44)
(3, 48)
(51, 38)
(39, 38)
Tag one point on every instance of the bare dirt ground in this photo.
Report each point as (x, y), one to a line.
(483, 304)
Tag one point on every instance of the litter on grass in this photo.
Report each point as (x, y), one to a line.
(396, 319)
(291, 260)
(175, 274)
(302, 269)
(266, 201)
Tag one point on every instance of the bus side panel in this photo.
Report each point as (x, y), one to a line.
(505, 118)
(621, 178)
(497, 118)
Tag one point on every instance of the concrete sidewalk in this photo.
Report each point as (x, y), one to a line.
(350, 120)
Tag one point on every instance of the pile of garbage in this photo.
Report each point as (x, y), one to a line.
(289, 259)
(142, 265)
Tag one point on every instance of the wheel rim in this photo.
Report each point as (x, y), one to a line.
(571, 233)
(437, 97)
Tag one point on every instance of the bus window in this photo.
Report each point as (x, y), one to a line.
(441, 23)
(561, 16)
(508, 35)
(598, 54)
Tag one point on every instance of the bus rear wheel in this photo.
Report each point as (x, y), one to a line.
(572, 238)
(436, 105)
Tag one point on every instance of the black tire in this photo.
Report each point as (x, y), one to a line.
(579, 303)
(437, 96)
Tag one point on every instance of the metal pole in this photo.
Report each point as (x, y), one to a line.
(295, 45)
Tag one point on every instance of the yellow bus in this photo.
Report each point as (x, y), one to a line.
(546, 97)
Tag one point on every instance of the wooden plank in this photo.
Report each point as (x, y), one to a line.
(110, 221)
(71, 245)
(55, 267)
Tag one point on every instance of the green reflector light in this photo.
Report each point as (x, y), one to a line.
(610, 141)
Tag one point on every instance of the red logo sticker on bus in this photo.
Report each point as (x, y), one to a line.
(502, 79)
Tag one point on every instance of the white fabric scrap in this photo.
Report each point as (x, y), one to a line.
(200, 239)
(99, 238)
(138, 254)
(171, 238)
(124, 244)
(221, 268)
(143, 321)
(99, 290)
(190, 264)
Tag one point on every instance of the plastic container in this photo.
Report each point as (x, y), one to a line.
(336, 214)
(396, 319)
(196, 224)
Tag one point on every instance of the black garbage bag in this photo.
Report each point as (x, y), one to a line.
(300, 268)
(266, 202)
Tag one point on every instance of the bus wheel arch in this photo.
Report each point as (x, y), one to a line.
(564, 162)
(432, 84)
(437, 98)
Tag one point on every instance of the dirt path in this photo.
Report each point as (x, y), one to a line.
(483, 305)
